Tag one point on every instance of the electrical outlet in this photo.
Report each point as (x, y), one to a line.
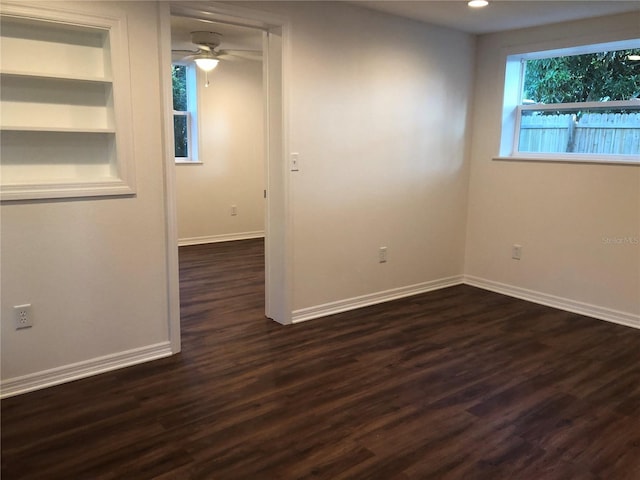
(516, 252)
(382, 255)
(23, 316)
(234, 210)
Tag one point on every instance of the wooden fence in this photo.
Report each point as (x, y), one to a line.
(609, 133)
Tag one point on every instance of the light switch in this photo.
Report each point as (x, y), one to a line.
(295, 162)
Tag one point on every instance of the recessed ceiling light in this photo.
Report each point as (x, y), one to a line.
(478, 3)
(634, 58)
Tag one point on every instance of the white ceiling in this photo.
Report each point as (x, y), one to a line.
(500, 15)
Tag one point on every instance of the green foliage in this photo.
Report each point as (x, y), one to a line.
(179, 78)
(180, 136)
(180, 130)
(592, 77)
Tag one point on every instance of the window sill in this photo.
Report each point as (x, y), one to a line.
(188, 162)
(560, 158)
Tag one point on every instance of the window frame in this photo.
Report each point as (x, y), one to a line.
(191, 115)
(513, 106)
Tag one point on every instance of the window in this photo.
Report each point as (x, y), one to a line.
(184, 114)
(574, 104)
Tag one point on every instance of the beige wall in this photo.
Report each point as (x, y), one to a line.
(561, 214)
(94, 270)
(378, 110)
(232, 154)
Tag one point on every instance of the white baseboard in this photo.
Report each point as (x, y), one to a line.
(76, 371)
(601, 313)
(87, 368)
(227, 237)
(372, 299)
(574, 306)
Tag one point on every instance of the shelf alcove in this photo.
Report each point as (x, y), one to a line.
(65, 114)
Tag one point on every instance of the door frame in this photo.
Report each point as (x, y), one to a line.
(278, 243)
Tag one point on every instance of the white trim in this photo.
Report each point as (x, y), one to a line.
(193, 107)
(583, 49)
(279, 217)
(225, 237)
(226, 13)
(171, 221)
(581, 44)
(574, 158)
(574, 306)
(534, 107)
(180, 161)
(87, 368)
(339, 306)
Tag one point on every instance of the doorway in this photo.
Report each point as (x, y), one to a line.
(273, 34)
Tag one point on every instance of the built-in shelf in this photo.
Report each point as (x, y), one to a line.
(65, 118)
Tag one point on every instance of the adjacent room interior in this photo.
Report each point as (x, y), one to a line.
(220, 187)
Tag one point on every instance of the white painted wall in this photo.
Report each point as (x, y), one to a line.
(561, 214)
(232, 154)
(94, 269)
(378, 112)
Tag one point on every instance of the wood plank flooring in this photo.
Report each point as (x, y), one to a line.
(454, 384)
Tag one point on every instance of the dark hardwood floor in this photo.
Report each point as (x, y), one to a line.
(454, 384)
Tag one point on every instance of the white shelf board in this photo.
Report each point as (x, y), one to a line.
(20, 128)
(52, 76)
(106, 187)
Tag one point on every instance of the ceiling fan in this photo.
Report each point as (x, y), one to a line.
(206, 56)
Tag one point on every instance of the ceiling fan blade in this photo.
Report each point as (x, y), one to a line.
(186, 52)
(254, 55)
(182, 55)
(228, 58)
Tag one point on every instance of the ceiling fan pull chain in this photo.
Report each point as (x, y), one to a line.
(206, 78)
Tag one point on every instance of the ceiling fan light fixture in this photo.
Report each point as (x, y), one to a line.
(206, 63)
(478, 3)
